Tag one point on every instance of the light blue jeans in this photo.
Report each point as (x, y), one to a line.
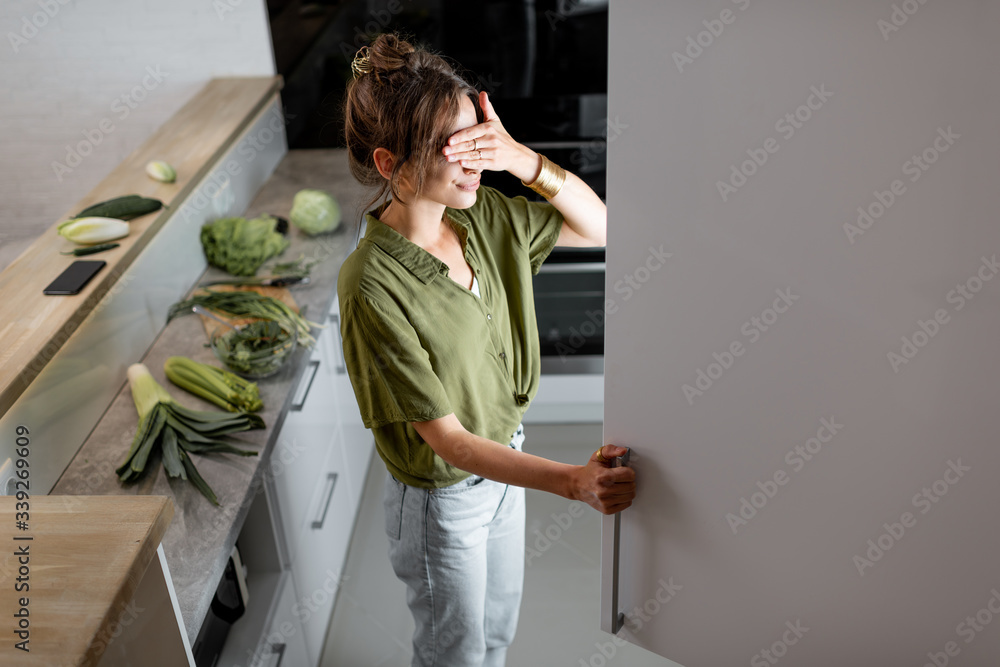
(460, 552)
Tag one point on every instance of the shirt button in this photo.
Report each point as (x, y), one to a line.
(488, 316)
(503, 355)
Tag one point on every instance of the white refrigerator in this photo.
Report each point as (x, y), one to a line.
(803, 332)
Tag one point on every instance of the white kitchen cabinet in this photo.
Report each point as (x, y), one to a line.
(302, 446)
(285, 644)
(317, 503)
(322, 550)
(359, 443)
(246, 643)
(313, 492)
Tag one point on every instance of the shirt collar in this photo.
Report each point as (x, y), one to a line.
(421, 263)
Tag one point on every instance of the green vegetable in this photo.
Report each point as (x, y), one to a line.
(258, 348)
(161, 171)
(240, 246)
(300, 268)
(93, 230)
(246, 303)
(314, 212)
(225, 389)
(91, 250)
(177, 431)
(126, 207)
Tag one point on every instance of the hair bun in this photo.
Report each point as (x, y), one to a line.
(406, 100)
(388, 53)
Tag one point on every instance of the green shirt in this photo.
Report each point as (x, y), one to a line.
(418, 346)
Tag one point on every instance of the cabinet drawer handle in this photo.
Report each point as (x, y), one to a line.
(298, 405)
(341, 366)
(617, 617)
(331, 480)
(278, 650)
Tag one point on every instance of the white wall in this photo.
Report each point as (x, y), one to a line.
(69, 68)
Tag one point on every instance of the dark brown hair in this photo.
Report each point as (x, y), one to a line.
(407, 103)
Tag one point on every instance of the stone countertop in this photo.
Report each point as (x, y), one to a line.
(200, 538)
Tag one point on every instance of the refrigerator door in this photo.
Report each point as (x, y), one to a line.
(803, 319)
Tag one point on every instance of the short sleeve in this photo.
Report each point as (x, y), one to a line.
(390, 371)
(536, 226)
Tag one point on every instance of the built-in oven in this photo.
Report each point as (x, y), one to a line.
(569, 307)
(544, 64)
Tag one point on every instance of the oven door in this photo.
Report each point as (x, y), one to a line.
(569, 307)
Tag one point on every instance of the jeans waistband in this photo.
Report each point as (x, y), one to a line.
(517, 439)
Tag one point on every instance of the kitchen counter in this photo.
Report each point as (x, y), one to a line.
(199, 540)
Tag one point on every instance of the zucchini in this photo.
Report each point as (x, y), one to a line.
(122, 208)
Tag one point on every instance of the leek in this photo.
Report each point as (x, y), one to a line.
(177, 431)
(227, 390)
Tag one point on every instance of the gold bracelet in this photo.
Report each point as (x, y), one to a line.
(550, 179)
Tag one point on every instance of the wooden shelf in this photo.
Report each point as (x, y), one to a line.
(87, 555)
(33, 326)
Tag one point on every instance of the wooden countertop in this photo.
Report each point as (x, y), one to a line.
(85, 559)
(33, 326)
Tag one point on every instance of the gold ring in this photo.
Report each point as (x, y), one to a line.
(475, 145)
(600, 456)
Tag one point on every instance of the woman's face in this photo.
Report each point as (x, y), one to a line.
(450, 183)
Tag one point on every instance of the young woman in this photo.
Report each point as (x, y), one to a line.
(442, 347)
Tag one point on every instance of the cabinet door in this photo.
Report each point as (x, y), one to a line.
(358, 440)
(322, 549)
(358, 446)
(346, 401)
(805, 363)
(285, 644)
(302, 446)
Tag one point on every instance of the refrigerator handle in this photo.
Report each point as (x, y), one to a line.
(617, 617)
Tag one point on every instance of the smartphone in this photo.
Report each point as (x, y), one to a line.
(75, 277)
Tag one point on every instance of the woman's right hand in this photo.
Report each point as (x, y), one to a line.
(608, 490)
(489, 146)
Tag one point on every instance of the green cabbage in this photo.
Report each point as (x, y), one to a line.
(314, 212)
(240, 246)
